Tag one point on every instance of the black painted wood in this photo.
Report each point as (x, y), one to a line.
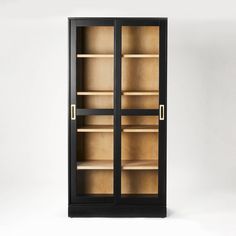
(117, 112)
(72, 123)
(111, 210)
(97, 112)
(140, 112)
(115, 205)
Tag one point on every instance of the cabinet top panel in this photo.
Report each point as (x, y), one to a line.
(118, 18)
(100, 21)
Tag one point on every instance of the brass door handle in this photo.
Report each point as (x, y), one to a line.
(72, 111)
(162, 112)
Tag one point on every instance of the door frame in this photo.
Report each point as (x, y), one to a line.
(160, 198)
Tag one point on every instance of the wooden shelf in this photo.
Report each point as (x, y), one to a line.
(126, 165)
(95, 165)
(140, 165)
(140, 93)
(124, 128)
(97, 93)
(126, 93)
(96, 128)
(95, 55)
(112, 56)
(140, 55)
(139, 128)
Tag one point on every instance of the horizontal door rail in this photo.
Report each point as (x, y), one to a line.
(140, 112)
(124, 112)
(87, 112)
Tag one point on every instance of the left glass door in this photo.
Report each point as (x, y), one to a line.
(94, 90)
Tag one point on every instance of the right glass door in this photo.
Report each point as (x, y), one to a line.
(140, 93)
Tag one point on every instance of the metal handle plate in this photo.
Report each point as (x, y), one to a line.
(162, 112)
(72, 112)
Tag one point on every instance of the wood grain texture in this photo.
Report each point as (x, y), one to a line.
(140, 102)
(132, 182)
(98, 120)
(125, 165)
(140, 165)
(95, 128)
(95, 165)
(140, 55)
(125, 93)
(139, 182)
(98, 40)
(139, 120)
(124, 128)
(95, 146)
(140, 39)
(94, 55)
(139, 128)
(139, 146)
(98, 102)
(112, 56)
(94, 93)
(97, 74)
(95, 182)
(141, 74)
(140, 93)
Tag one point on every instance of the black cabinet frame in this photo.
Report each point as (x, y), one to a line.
(116, 205)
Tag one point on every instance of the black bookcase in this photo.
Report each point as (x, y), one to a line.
(117, 117)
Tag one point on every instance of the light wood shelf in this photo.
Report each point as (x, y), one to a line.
(126, 165)
(95, 55)
(140, 165)
(124, 128)
(97, 93)
(139, 128)
(95, 165)
(140, 93)
(126, 93)
(96, 128)
(140, 55)
(112, 56)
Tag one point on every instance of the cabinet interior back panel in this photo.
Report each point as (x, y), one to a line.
(95, 39)
(139, 182)
(140, 74)
(139, 146)
(95, 182)
(98, 102)
(140, 39)
(140, 102)
(101, 182)
(139, 120)
(95, 74)
(95, 146)
(98, 120)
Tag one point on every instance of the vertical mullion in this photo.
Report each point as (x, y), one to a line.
(72, 123)
(117, 111)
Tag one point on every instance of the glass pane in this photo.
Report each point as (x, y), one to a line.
(139, 155)
(95, 59)
(95, 49)
(140, 90)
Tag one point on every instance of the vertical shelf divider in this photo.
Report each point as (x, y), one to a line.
(117, 111)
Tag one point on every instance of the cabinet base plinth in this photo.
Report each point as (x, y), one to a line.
(98, 210)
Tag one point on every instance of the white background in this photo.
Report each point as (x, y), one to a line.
(201, 117)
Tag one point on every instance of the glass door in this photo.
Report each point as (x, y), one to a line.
(141, 120)
(93, 75)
